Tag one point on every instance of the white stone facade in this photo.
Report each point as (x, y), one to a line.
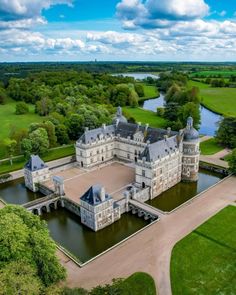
(100, 215)
(159, 165)
(32, 178)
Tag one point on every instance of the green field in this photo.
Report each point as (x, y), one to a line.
(210, 147)
(8, 119)
(150, 91)
(53, 154)
(219, 100)
(144, 117)
(219, 73)
(204, 262)
(139, 283)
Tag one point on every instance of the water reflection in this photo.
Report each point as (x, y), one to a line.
(183, 191)
(67, 230)
(15, 192)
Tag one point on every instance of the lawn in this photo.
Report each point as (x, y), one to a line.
(204, 262)
(150, 91)
(219, 100)
(139, 283)
(9, 119)
(52, 154)
(144, 117)
(210, 147)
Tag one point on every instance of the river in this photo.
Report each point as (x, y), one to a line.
(209, 119)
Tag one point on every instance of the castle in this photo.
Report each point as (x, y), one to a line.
(162, 158)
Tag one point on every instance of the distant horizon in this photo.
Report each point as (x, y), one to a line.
(117, 30)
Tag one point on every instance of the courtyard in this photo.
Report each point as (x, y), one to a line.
(114, 177)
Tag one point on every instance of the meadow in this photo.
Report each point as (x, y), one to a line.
(204, 261)
(144, 117)
(219, 100)
(150, 91)
(214, 73)
(210, 147)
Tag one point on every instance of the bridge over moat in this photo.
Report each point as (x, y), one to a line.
(143, 210)
(44, 204)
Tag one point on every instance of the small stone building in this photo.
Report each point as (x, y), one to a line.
(35, 171)
(97, 208)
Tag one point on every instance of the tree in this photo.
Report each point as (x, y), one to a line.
(3, 95)
(25, 237)
(44, 106)
(21, 108)
(26, 147)
(232, 161)
(10, 145)
(39, 141)
(139, 89)
(190, 109)
(49, 127)
(226, 133)
(19, 277)
(74, 126)
(61, 133)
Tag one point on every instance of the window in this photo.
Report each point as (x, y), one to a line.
(143, 173)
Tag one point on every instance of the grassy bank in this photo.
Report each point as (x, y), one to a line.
(219, 100)
(53, 154)
(204, 261)
(150, 91)
(139, 283)
(144, 117)
(210, 147)
(216, 73)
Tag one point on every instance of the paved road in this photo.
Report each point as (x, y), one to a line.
(214, 161)
(150, 250)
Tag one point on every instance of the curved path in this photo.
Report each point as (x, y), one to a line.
(150, 250)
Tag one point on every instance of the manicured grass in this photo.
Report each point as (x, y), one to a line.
(210, 147)
(150, 91)
(144, 117)
(9, 119)
(204, 262)
(52, 154)
(219, 100)
(139, 283)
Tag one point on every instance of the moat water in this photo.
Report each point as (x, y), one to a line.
(183, 191)
(67, 230)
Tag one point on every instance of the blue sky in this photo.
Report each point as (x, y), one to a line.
(155, 30)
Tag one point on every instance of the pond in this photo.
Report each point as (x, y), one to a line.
(137, 76)
(209, 120)
(14, 192)
(183, 191)
(67, 230)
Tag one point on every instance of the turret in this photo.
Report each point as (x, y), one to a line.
(190, 160)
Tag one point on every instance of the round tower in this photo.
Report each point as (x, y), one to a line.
(119, 118)
(190, 159)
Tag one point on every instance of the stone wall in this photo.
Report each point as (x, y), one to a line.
(71, 206)
(142, 195)
(210, 167)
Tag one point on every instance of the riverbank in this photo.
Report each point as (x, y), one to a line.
(218, 100)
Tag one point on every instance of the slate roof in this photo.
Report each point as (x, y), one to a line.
(35, 163)
(160, 149)
(93, 195)
(190, 133)
(126, 130)
(92, 135)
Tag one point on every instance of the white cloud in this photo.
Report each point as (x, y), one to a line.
(159, 13)
(14, 9)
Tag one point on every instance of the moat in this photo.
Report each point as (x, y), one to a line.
(67, 230)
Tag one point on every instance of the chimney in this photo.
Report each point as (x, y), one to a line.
(168, 131)
(165, 137)
(102, 194)
(146, 127)
(86, 129)
(104, 126)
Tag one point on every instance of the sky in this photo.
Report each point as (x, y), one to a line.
(117, 30)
